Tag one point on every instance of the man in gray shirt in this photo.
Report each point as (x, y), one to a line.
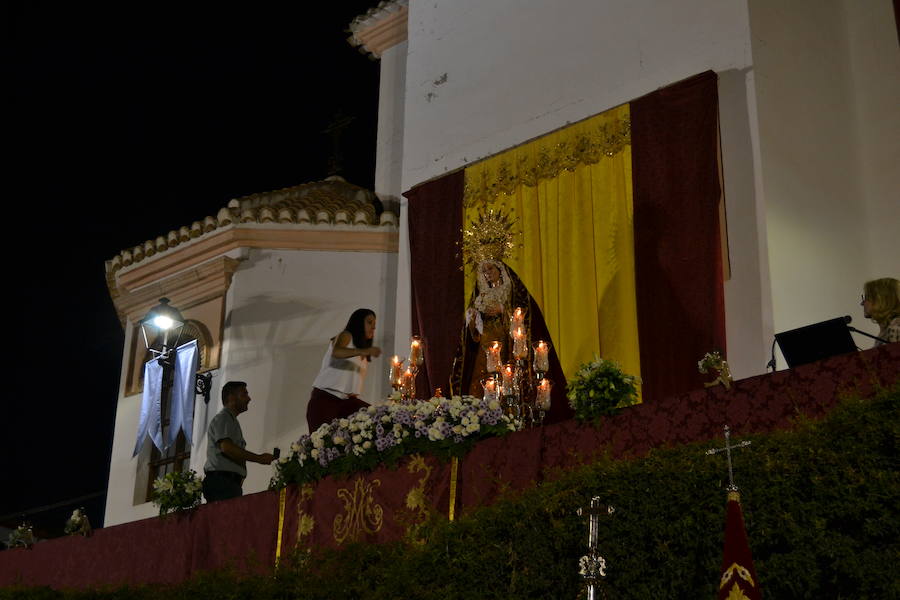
(226, 458)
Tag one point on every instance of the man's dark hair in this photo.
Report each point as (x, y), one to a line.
(231, 388)
(356, 325)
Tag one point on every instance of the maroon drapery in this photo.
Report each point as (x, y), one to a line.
(435, 222)
(678, 260)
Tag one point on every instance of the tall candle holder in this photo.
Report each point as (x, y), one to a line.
(542, 399)
(396, 372)
(493, 361)
(491, 390)
(541, 358)
(416, 360)
(416, 351)
(516, 321)
(511, 391)
(408, 385)
(519, 344)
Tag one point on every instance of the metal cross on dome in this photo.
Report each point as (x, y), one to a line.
(727, 450)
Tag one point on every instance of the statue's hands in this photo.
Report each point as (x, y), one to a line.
(493, 310)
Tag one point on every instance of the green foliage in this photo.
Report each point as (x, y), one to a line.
(600, 388)
(820, 504)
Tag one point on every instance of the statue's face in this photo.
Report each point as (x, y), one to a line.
(491, 272)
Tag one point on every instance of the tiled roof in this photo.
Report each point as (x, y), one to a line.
(329, 204)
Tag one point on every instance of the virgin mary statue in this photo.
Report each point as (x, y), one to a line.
(497, 293)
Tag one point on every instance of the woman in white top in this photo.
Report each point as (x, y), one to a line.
(337, 387)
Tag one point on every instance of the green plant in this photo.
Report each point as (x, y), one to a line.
(599, 388)
(177, 491)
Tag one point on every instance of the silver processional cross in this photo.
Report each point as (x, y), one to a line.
(592, 566)
(727, 450)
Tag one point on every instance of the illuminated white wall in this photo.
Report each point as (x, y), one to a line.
(282, 308)
(829, 137)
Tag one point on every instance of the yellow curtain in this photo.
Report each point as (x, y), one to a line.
(570, 195)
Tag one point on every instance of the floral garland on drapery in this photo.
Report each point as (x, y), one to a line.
(444, 427)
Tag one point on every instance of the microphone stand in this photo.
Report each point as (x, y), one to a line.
(874, 337)
(771, 364)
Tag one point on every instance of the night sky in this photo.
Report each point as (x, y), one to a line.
(127, 122)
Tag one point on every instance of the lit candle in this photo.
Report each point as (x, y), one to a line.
(519, 348)
(508, 377)
(416, 354)
(543, 394)
(396, 368)
(408, 381)
(493, 357)
(541, 357)
(490, 388)
(517, 320)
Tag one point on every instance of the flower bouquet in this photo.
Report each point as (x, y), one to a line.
(600, 388)
(713, 363)
(21, 536)
(78, 523)
(177, 491)
(444, 427)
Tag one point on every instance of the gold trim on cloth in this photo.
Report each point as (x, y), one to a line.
(282, 495)
(584, 143)
(305, 522)
(736, 593)
(743, 573)
(415, 499)
(454, 476)
(362, 514)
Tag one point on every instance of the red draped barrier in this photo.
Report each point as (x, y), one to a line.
(239, 532)
(519, 460)
(384, 504)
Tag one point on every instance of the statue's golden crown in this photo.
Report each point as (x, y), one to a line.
(489, 236)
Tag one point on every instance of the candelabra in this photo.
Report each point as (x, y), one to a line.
(524, 388)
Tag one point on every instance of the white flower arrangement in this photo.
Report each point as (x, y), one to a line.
(22, 536)
(385, 433)
(712, 362)
(78, 523)
(177, 491)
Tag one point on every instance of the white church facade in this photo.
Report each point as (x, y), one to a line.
(809, 134)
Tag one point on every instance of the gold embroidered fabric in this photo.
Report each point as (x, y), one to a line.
(361, 513)
(305, 522)
(584, 143)
(415, 499)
